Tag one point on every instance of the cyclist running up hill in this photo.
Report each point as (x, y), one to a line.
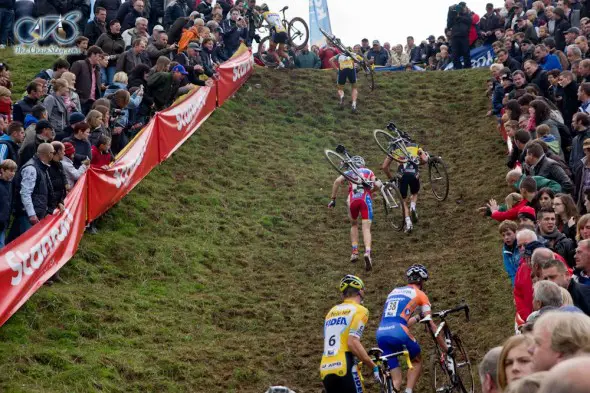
(343, 328)
(346, 71)
(404, 307)
(359, 202)
(278, 35)
(408, 174)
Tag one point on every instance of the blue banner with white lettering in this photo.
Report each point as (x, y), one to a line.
(482, 56)
(319, 17)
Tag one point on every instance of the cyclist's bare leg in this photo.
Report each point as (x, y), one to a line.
(366, 234)
(272, 47)
(354, 95)
(282, 52)
(354, 232)
(414, 374)
(341, 93)
(396, 378)
(385, 167)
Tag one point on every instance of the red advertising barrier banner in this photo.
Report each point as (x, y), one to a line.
(34, 257)
(108, 186)
(181, 120)
(234, 73)
(41, 251)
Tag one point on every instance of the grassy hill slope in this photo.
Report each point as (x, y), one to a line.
(215, 274)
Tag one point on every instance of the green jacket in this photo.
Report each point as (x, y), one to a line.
(542, 182)
(307, 60)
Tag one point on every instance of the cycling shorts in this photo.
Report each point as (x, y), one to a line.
(409, 180)
(280, 37)
(393, 338)
(346, 73)
(362, 206)
(348, 383)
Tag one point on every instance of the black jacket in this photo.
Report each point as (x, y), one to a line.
(176, 9)
(577, 152)
(83, 150)
(232, 35)
(563, 246)
(580, 295)
(5, 203)
(549, 169)
(58, 185)
(175, 31)
(112, 6)
(205, 8)
(490, 23)
(460, 25)
(28, 151)
(129, 20)
(93, 30)
(162, 89)
(539, 78)
(570, 103)
(41, 192)
(511, 63)
(22, 108)
(50, 7)
(559, 33)
(12, 149)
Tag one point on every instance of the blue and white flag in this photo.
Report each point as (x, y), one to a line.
(319, 17)
(482, 56)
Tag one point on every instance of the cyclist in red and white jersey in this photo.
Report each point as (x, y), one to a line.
(359, 203)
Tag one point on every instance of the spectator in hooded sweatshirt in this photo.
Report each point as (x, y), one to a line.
(10, 141)
(510, 251)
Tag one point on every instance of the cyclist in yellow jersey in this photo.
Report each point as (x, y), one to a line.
(278, 34)
(409, 177)
(343, 328)
(346, 71)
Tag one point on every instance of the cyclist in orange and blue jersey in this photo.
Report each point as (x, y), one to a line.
(359, 203)
(404, 307)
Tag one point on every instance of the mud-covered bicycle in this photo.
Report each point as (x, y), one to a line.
(341, 160)
(376, 354)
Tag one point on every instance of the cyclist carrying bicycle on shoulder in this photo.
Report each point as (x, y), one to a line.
(408, 173)
(278, 35)
(359, 203)
(404, 307)
(343, 328)
(346, 67)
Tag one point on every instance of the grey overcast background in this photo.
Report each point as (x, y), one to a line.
(386, 20)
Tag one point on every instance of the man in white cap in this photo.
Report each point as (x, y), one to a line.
(155, 34)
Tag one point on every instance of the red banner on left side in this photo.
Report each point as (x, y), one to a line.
(108, 186)
(25, 264)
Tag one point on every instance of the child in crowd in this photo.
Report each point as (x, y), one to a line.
(544, 134)
(510, 252)
(6, 103)
(7, 171)
(101, 153)
(72, 174)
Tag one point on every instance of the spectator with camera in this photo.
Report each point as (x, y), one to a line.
(459, 22)
(235, 31)
(377, 55)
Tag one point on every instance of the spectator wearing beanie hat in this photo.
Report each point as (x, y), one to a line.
(72, 174)
(75, 118)
(527, 215)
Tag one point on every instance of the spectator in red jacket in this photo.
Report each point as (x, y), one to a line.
(326, 53)
(101, 153)
(6, 103)
(528, 190)
(473, 30)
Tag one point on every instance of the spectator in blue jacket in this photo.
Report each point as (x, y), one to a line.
(377, 55)
(510, 251)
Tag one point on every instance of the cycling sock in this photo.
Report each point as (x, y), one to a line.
(355, 248)
(354, 104)
(408, 221)
(413, 205)
(408, 390)
(368, 251)
(341, 95)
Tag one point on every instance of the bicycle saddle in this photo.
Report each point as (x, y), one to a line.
(377, 352)
(426, 319)
(285, 8)
(340, 149)
(391, 126)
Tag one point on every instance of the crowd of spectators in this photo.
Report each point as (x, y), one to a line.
(539, 94)
(132, 61)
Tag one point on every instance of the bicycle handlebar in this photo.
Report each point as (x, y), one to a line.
(462, 307)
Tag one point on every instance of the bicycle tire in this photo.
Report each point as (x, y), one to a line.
(370, 75)
(394, 206)
(383, 139)
(293, 30)
(463, 369)
(441, 379)
(268, 61)
(338, 162)
(437, 171)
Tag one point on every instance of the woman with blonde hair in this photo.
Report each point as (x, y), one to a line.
(57, 111)
(94, 120)
(583, 228)
(515, 361)
(72, 100)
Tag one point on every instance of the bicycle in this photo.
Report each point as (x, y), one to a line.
(386, 385)
(392, 199)
(451, 369)
(393, 143)
(297, 31)
(368, 69)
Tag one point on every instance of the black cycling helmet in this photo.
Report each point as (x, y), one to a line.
(417, 273)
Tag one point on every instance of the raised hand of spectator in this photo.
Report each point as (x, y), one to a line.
(493, 205)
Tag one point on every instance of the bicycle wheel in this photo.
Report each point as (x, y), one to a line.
(441, 379)
(439, 178)
(267, 58)
(394, 206)
(390, 145)
(338, 162)
(298, 33)
(462, 367)
(370, 75)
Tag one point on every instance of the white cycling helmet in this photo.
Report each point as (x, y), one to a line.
(358, 161)
(417, 273)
